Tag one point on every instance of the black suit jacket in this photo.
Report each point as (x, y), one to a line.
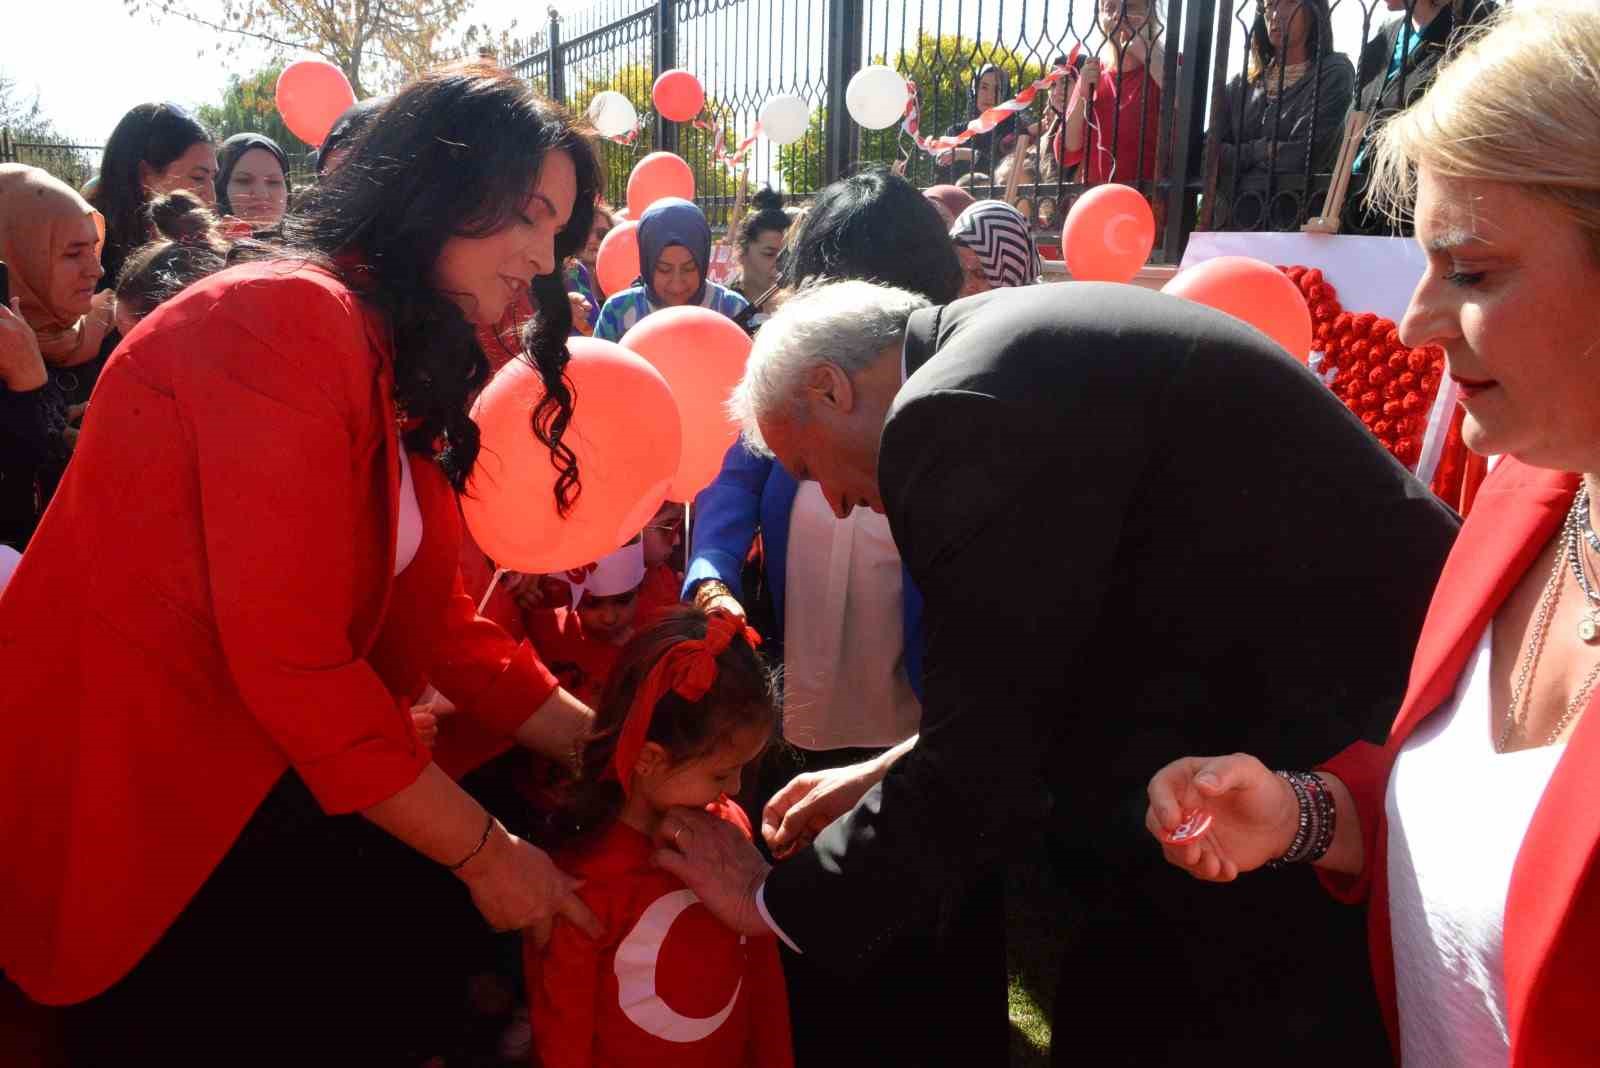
(1142, 531)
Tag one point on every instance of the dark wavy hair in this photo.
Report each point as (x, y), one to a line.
(877, 226)
(152, 134)
(189, 246)
(744, 695)
(769, 215)
(453, 154)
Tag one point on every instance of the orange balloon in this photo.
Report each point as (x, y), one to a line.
(678, 96)
(616, 265)
(1254, 291)
(626, 434)
(1108, 234)
(701, 354)
(660, 174)
(311, 95)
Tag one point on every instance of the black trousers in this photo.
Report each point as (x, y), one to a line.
(935, 997)
(317, 940)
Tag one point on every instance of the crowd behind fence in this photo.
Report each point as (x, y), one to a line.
(1231, 135)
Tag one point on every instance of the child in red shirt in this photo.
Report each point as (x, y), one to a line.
(1119, 140)
(580, 643)
(667, 986)
(662, 580)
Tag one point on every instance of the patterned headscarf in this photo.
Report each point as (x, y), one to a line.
(1000, 237)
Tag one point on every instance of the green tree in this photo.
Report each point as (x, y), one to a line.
(714, 183)
(35, 138)
(943, 67)
(249, 105)
(377, 43)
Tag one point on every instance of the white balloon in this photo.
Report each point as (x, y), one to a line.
(784, 118)
(612, 114)
(876, 97)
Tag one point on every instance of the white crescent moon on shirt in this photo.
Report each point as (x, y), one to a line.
(635, 966)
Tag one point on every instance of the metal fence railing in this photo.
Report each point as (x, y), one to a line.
(1223, 139)
(1243, 136)
(73, 164)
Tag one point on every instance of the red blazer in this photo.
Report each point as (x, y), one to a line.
(1552, 925)
(211, 600)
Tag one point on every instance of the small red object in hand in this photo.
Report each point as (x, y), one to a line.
(1193, 826)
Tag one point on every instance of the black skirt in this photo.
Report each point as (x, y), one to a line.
(317, 940)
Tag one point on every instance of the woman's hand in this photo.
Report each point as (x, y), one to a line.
(518, 888)
(799, 812)
(21, 365)
(1088, 78)
(426, 724)
(1254, 814)
(580, 314)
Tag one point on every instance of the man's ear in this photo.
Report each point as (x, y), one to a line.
(828, 387)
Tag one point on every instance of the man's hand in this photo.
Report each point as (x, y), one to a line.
(717, 862)
(799, 812)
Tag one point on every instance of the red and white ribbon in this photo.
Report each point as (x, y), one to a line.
(719, 143)
(985, 122)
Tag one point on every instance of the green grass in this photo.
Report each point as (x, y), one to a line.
(1037, 925)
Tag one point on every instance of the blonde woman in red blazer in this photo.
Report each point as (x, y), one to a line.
(1472, 833)
(212, 646)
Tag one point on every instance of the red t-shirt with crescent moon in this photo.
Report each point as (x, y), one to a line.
(667, 986)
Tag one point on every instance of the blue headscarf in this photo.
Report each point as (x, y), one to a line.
(673, 221)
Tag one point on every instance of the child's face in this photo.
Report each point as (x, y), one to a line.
(609, 619)
(663, 535)
(698, 781)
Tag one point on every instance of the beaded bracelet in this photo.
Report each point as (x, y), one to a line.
(1314, 830)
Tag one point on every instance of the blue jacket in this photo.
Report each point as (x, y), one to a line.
(755, 492)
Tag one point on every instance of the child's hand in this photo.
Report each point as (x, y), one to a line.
(426, 724)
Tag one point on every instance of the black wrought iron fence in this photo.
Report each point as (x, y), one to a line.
(1213, 131)
(73, 164)
(1235, 121)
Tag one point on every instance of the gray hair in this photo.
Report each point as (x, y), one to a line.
(845, 323)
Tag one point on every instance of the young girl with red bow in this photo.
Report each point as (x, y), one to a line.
(688, 706)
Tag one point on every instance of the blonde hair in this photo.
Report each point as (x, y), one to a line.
(1518, 104)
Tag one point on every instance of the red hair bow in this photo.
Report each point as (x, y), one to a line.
(688, 669)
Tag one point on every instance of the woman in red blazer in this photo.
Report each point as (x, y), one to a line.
(1473, 833)
(212, 646)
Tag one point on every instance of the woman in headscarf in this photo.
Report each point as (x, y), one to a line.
(674, 256)
(996, 248)
(982, 152)
(253, 180)
(50, 240)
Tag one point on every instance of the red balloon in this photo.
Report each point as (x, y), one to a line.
(660, 174)
(1254, 291)
(1108, 234)
(616, 264)
(625, 432)
(311, 95)
(678, 95)
(701, 354)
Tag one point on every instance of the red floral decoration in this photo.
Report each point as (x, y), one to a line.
(1391, 388)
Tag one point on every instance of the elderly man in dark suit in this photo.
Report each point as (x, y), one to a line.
(1141, 530)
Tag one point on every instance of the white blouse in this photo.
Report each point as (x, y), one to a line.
(408, 535)
(1458, 812)
(844, 673)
